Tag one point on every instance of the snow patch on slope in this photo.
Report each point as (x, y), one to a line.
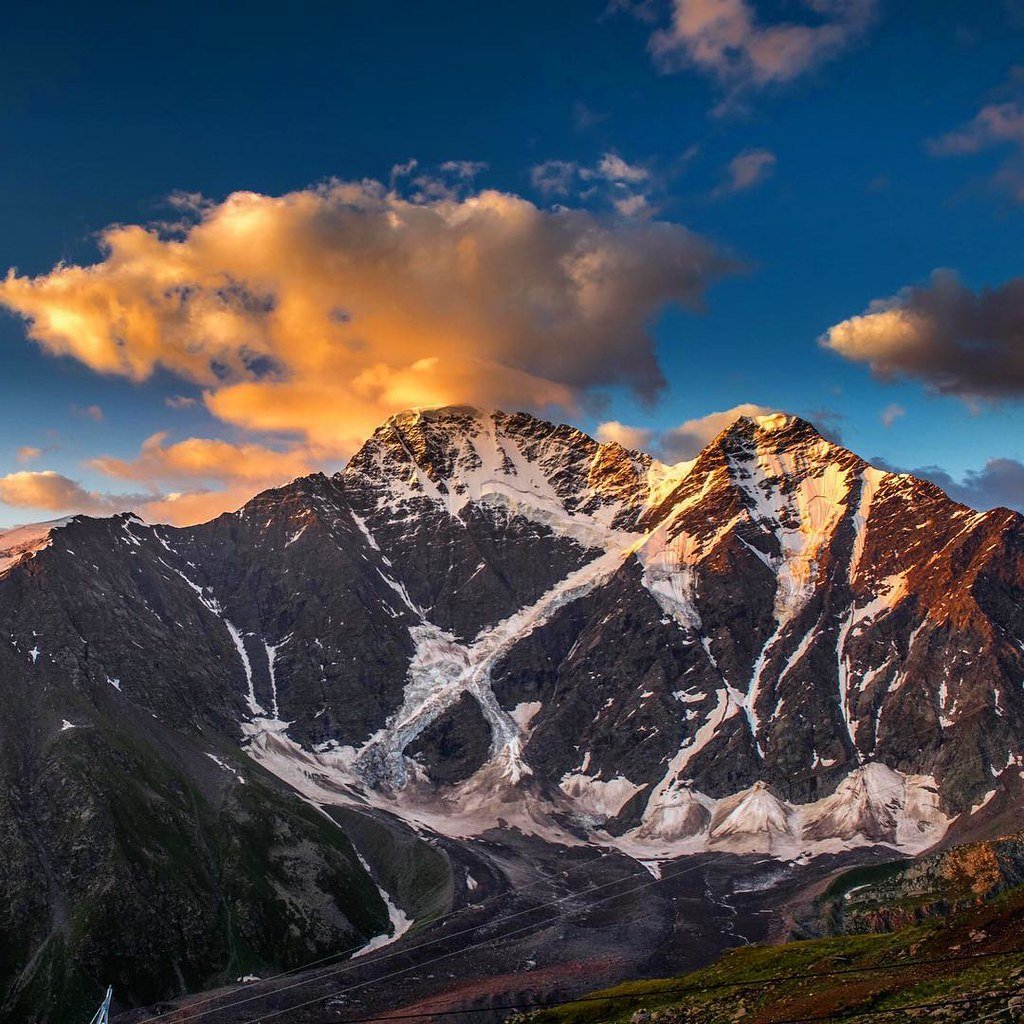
(443, 669)
(400, 921)
(596, 797)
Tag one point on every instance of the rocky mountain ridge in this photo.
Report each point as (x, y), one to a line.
(485, 625)
(772, 647)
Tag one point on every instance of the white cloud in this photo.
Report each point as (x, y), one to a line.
(891, 413)
(625, 187)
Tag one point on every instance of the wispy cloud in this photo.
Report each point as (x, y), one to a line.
(54, 492)
(88, 412)
(626, 187)
(891, 413)
(208, 459)
(746, 170)
(29, 453)
(728, 40)
(997, 126)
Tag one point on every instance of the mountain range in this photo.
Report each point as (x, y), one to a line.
(236, 746)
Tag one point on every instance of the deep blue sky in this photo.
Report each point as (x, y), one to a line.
(107, 109)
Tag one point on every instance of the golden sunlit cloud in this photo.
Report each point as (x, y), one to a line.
(53, 492)
(683, 442)
(629, 437)
(321, 312)
(955, 340)
(185, 508)
(201, 458)
(236, 471)
(46, 491)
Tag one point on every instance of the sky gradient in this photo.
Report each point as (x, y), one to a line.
(237, 243)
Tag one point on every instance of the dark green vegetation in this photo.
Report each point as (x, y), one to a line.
(958, 942)
(416, 874)
(157, 869)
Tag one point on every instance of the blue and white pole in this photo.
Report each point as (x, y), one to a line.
(103, 1013)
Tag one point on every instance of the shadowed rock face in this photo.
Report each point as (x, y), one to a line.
(775, 643)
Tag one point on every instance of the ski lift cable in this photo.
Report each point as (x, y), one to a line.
(532, 926)
(354, 948)
(183, 1017)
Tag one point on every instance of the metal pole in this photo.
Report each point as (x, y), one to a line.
(103, 1013)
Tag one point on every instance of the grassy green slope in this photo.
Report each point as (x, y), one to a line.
(968, 909)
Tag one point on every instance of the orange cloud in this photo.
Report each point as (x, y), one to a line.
(201, 458)
(955, 340)
(46, 491)
(629, 437)
(54, 492)
(28, 453)
(683, 442)
(240, 470)
(321, 312)
(186, 508)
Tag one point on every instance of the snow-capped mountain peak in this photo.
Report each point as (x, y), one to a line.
(459, 455)
(487, 615)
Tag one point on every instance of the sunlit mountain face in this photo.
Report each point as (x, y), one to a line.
(499, 501)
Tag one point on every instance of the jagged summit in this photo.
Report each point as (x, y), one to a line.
(421, 426)
(458, 455)
(776, 432)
